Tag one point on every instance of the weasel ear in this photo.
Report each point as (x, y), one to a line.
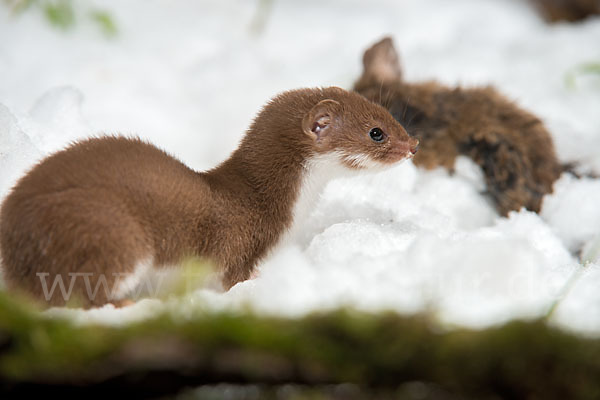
(317, 122)
(381, 62)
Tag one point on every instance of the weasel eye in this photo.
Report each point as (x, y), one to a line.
(377, 135)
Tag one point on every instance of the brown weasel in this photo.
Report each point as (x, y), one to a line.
(514, 150)
(106, 208)
(567, 10)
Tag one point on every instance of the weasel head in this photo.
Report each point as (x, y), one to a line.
(362, 134)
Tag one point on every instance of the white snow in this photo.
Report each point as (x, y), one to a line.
(189, 76)
(582, 198)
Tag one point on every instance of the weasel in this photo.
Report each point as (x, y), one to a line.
(110, 207)
(511, 145)
(567, 10)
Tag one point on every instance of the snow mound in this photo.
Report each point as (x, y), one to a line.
(56, 119)
(573, 210)
(578, 309)
(17, 151)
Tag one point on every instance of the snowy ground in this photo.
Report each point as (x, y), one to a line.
(189, 76)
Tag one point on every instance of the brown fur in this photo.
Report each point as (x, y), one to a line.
(567, 10)
(511, 145)
(105, 204)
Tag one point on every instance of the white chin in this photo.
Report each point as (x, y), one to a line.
(366, 163)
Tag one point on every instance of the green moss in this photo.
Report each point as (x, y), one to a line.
(62, 14)
(105, 22)
(59, 13)
(369, 350)
(591, 68)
